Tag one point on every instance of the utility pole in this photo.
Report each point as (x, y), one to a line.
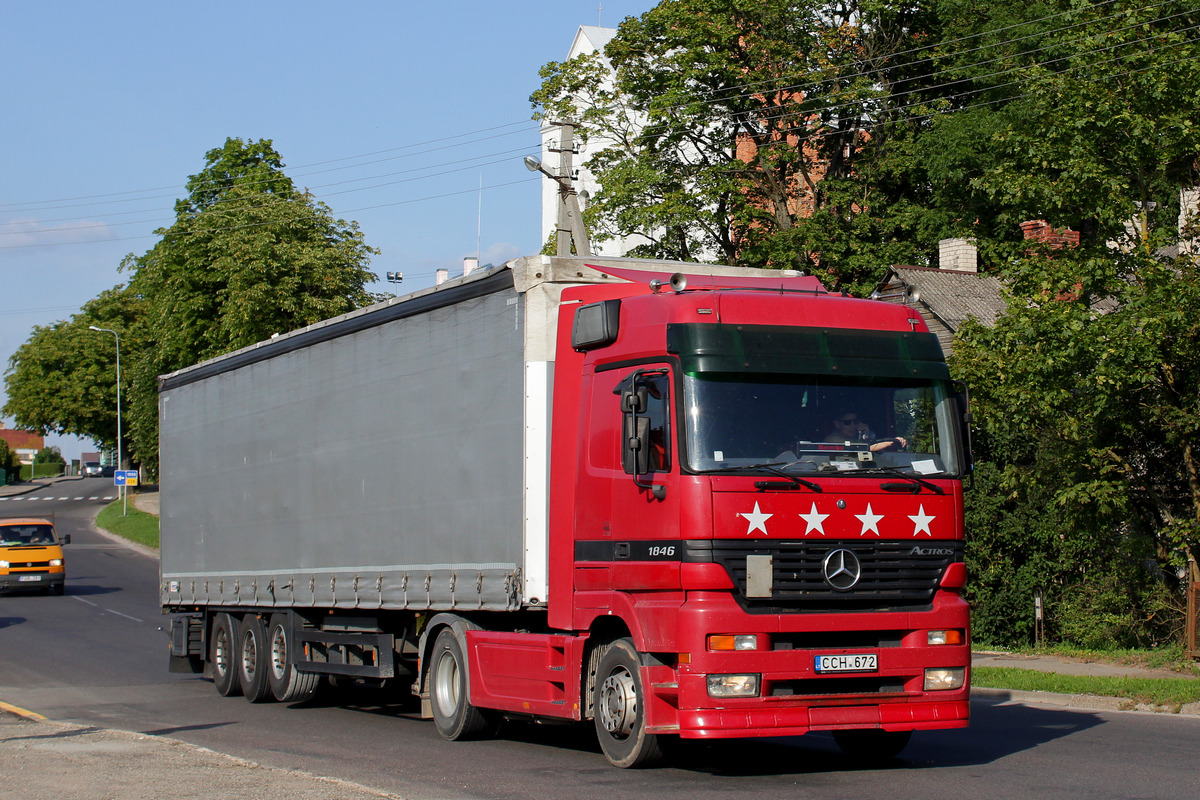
(570, 217)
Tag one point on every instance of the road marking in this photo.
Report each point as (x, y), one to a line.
(126, 616)
(20, 712)
(89, 602)
(51, 499)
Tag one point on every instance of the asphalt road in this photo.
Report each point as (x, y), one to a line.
(97, 657)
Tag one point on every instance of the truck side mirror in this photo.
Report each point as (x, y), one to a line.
(635, 450)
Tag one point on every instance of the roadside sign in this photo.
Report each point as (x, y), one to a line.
(125, 477)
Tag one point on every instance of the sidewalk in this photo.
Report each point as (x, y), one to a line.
(45, 760)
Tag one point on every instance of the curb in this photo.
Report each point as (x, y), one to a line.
(1089, 702)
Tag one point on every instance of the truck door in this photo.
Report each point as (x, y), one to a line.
(645, 496)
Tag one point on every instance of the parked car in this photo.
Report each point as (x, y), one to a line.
(31, 555)
(92, 469)
(108, 471)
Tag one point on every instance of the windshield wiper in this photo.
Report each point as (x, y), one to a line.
(933, 487)
(775, 468)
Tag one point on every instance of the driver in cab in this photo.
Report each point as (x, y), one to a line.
(848, 428)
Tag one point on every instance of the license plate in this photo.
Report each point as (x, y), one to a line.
(29, 578)
(862, 662)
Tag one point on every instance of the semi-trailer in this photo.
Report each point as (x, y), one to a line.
(670, 500)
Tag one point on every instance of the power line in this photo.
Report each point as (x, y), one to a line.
(472, 137)
(410, 201)
(472, 163)
(43, 205)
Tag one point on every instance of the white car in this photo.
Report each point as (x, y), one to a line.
(92, 469)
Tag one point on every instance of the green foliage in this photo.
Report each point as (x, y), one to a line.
(50, 455)
(247, 257)
(734, 130)
(1088, 394)
(8, 462)
(63, 379)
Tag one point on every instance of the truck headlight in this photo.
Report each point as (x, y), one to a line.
(56, 562)
(3, 565)
(945, 637)
(741, 641)
(733, 685)
(937, 680)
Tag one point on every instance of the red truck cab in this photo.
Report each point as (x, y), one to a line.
(758, 510)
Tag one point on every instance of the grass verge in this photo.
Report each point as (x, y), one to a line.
(136, 526)
(1169, 692)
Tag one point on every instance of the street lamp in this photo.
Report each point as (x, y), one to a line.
(570, 217)
(120, 455)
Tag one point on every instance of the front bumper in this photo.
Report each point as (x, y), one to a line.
(31, 581)
(794, 698)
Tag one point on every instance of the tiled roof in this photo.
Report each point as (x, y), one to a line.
(951, 295)
(22, 440)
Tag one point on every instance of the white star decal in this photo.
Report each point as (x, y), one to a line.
(921, 521)
(813, 521)
(757, 520)
(870, 521)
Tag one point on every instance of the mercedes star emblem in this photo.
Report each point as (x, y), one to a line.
(841, 569)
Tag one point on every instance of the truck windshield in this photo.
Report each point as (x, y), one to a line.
(807, 424)
(816, 400)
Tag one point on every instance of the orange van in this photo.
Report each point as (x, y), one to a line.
(31, 555)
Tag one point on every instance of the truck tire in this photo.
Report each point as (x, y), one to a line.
(453, 713)
(288, 684)
(221, 659)
(872, 745)
(252, 659)
(619, 702)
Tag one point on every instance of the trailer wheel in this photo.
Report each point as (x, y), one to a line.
(288, 684)
(221, 658)
(453, 713)
(872, 745)
(252, 659)
(619, 705)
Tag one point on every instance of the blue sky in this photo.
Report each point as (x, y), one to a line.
(392, 113)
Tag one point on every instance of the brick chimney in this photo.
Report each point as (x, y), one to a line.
(1040, 231)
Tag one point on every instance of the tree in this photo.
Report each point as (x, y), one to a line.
(8, 462)
(738, 131)
(50, 455)
(247, 257)
(63, 379)
(1088, 389)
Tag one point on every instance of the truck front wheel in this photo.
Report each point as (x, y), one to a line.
(221, 658)
(620, 709)
(453, 713)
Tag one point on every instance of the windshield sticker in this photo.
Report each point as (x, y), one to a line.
(926, 467)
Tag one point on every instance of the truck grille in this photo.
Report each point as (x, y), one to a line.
(895, 575)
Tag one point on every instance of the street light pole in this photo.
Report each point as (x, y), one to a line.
(120, 455)
(570, 216)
